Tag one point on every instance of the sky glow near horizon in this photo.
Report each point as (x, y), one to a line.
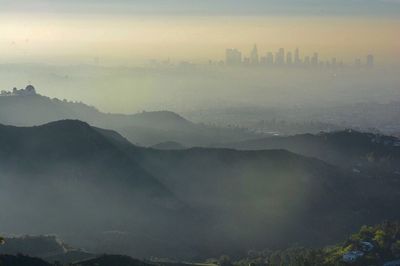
(124, 32)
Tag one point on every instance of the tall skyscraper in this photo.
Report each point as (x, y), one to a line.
(370, 61)
(270, 58)
(280, 57)
(297, 59)
(315, 60)
(254, 59)
(289, 58)
(277, 58)
(233, 57)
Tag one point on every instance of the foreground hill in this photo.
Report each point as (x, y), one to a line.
(98, 191)
(146, 128)
(69, 178)
(371, 245)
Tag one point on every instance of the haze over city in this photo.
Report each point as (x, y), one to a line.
(70, 34)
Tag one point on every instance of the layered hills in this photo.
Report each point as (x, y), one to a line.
(98, 191)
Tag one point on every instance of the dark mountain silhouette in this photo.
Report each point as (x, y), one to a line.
(145, 128)
(98, 191)
(82, 182)
(74, 143)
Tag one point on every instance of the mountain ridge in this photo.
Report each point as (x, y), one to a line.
(349, 148)
(145, 128)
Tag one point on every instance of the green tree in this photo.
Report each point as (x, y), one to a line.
(380, 237)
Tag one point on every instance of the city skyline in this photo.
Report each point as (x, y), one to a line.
(283, 57)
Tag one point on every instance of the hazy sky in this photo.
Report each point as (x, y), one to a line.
(128, 32)
(209, 7)
(124, 31)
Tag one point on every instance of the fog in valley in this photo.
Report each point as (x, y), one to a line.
(205, 93)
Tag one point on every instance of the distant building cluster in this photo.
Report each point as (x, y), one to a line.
(28, 91)
(234, 57)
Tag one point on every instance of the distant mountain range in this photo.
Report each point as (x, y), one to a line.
(146, 128)
(97, 190)
(371, 154)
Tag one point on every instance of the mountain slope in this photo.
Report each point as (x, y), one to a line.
(82, 182)
(98, 191)
(72, 142)
(261, 198)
